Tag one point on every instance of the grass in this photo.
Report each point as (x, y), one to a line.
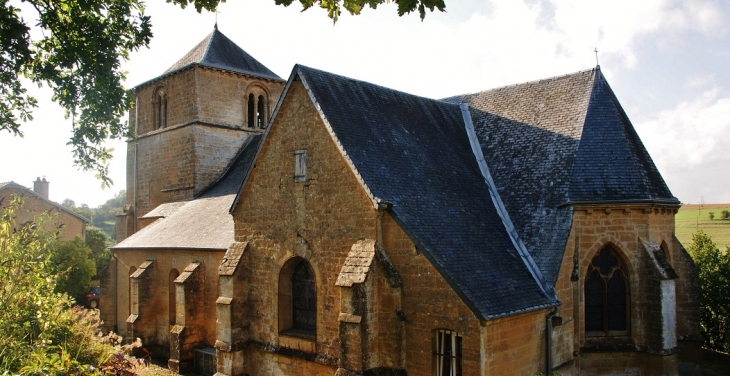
(691, 218)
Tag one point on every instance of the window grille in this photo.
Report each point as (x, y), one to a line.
(447, 353)
(204, 361)
(304, 297)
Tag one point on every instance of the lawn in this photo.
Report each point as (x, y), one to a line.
(691, 218)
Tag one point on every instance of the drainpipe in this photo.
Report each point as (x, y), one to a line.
(549, 342)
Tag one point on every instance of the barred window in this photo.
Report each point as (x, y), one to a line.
(446, 353)
(304, 297)
(606, 295)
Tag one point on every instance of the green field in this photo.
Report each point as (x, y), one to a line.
(691, 218)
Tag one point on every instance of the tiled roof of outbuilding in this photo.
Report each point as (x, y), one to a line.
(558, 141)
(204, 222)
(219, 52)
(414, 153)
(12, 184)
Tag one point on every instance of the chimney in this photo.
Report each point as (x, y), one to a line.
(41, 187)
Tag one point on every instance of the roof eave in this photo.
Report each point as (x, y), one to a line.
(208, 66)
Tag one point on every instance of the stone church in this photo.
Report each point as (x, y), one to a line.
(322, 225)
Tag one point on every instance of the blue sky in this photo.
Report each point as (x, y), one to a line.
(665, 60)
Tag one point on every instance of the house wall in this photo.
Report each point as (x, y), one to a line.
(67, 225)
(154, 321)
(621, 227)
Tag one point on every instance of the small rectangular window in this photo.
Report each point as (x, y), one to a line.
(300, 166)
(447, 353)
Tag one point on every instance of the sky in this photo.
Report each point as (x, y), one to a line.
(667, 62)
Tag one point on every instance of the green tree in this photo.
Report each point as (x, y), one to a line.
(78, 56)
(714, 268)
(40, 334)
(98, 242)
(73, 267)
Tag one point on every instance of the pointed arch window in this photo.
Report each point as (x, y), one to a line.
(446, 353)
(606, 295)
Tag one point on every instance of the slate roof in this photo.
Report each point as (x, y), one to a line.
(556, 142)
(218, 52)
(201, 223)
(414, 152)
(12, 184)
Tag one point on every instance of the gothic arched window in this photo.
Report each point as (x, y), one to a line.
(606, 295)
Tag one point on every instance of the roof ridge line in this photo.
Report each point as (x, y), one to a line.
(502, 211)
(210, 41)
(525, 83)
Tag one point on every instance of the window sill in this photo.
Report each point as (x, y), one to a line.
(602, 343)
(298, 339)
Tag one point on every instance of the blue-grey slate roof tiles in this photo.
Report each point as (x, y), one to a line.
(218, 52)
(414, 153)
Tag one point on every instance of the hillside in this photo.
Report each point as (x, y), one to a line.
(692, 217)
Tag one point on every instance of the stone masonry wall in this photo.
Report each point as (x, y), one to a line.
(204, 131)
(317, 220)
(158, 302)
(620, 227)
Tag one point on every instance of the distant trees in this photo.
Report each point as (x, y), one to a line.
(725, 214)
(73, 268)
(103, 216)
(714, 268)
(711, 215)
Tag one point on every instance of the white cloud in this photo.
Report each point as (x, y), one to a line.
(689, 144)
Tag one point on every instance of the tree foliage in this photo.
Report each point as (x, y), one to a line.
(354, 7)
(98, 242)
(714, 271)
(73, 267)
(102, 217)
(40, 333)
(79, 56)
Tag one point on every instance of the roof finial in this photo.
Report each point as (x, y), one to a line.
(216, 21)
(596, 51)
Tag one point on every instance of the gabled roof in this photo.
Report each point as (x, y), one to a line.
(414, 153)
(204, 222)
(12, 184)
(219, 52)
(556, 142)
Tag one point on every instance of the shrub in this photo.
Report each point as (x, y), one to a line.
(714, 272)
(711, 215)
(725, 214)
(73, 267)
(39, 333)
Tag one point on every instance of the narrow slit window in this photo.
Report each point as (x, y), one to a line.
(261, 112)
(251, 107)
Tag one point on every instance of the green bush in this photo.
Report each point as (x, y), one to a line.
(711, 215)
(39, 332)
(725, 214)
(98, 242)
(73, 267)
(714, 268)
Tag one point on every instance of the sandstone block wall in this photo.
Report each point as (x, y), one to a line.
(620, 227)
(157, 305)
